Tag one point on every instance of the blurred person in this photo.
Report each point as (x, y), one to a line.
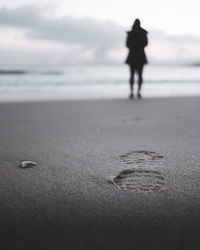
(136, 42)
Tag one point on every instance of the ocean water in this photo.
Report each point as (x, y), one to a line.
(44, 82)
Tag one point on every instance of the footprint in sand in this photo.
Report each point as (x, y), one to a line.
(139, 180)
(140, 177)
(134, 119)
(141, 158)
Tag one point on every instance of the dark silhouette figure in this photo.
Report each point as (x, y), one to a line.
(136, 42)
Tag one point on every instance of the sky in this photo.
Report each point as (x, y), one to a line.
(77, 31)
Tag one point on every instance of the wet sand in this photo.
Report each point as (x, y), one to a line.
(149, 147)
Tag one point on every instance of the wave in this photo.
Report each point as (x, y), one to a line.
(26, 72)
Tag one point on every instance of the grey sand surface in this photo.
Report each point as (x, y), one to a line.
(68, 200)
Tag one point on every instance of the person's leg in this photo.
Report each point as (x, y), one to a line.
(132, 72)
(140, 80)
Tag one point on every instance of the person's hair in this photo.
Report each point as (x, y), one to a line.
(136, 24)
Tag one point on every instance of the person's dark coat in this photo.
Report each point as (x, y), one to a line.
(136, 42)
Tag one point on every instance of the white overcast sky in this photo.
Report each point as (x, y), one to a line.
(172, 16)
(173, 25)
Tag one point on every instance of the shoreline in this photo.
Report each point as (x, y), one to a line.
(94, 92)
(97, 99)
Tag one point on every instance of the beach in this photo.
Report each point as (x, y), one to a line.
(69, 199)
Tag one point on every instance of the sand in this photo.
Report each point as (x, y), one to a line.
(69, 200)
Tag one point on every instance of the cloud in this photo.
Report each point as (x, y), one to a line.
(89, 39)
(174, 48)
(89, 33)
